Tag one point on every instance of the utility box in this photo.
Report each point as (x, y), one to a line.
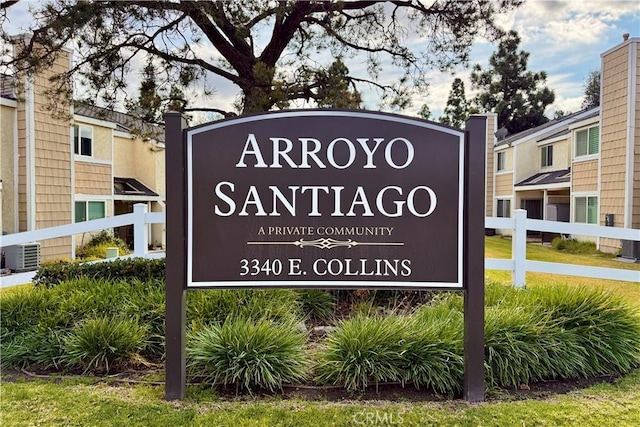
(23, 257)
(608, 220)
(630, 250)
(112, 253)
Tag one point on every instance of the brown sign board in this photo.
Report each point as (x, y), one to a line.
(325, 198)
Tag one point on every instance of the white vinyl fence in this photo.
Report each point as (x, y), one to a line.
(518, 264)
(140, 218)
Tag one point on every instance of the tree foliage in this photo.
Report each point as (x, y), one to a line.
(591, 87)
(269, 49)
(425, 112)
(507, 88)
(457, 108)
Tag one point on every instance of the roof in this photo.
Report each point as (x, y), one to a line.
(557, 124)
(546, 178)
(124, 122)
(131, 187)
(555, 135)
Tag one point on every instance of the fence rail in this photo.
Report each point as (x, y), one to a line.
(518, 264)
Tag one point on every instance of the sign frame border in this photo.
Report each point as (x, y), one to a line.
(324, 284)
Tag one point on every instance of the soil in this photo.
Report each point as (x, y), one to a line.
(383, 392)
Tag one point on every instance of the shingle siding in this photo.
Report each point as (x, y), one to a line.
(7, 165)
(584, 176)
(93, 179)
(636, 164)
(491, 119)
(52, 160)
(504, 185)
(614, 137)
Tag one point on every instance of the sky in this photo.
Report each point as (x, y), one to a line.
(564, 38)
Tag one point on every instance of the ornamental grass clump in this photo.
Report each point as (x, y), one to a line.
(86, 297)
(317, 305)
(434, 349)
(557, 332)
(603, 326)
(514, 353)
(99, 344)
(24, 308)
(146, 304)
(36, 345)
(248, 353)
(363, 350)
(212, 307)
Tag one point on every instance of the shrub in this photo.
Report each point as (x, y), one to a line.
(214, 306)
(514, 353)
(317, 304)
(434, 349)
(605, 327)
(120, 269)
(99, 343)
(146, 304)
(27, 307)
(573, 246)
(36, 345)
(97, 246)
(249, 353)
(364, 349)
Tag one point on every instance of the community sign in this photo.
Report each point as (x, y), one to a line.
(324, 198)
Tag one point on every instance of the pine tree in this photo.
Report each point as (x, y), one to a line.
(457, 109)
(425, 112)
(519, 97)
(591, 88)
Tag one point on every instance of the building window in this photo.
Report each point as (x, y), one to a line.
(586, 209)
(501, 161)
(83, 140)
(504, 208)
(587, 141)
(546, 156)
(86, 211)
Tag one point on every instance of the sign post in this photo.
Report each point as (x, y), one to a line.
(325, 199)
(176, 277)
(473, 386)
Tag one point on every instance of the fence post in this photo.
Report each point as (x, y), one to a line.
(519, 249)
(140, 235)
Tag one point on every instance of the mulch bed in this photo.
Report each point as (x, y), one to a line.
(383, 392)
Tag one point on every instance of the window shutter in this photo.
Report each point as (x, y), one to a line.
(76, 139)
(582, 143)
(594, 140)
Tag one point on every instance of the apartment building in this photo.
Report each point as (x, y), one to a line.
(91, 164)
(583, 167)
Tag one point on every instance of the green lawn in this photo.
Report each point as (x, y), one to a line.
(499, 247)
(87, 401)
(81, 403)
